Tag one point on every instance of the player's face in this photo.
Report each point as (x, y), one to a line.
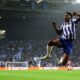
(67, 17)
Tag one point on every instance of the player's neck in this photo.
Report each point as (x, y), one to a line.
(67, 21)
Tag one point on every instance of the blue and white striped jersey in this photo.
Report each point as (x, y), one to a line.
(69, 29)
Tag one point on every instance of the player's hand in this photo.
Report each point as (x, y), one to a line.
(74, 13)
(54, 23)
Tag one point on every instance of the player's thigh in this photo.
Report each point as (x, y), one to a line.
(55, 42)
(67, 50)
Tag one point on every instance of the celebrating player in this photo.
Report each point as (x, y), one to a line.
(67, 33)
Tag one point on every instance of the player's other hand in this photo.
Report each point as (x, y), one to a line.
(54, 23)
(74, 13)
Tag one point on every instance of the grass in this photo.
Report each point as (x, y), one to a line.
(40, 75)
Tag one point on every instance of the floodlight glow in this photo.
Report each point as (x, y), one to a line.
(38, 1)
(66, 1)
(0, 17)
(2, 32)
(78, 1)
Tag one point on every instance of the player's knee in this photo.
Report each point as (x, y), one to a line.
(50, 43)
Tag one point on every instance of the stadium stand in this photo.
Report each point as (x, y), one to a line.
(14, 50)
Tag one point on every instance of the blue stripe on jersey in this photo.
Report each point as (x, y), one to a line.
(66, 33)
(71, 34)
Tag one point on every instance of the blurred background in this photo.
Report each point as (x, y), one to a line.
(26, 27)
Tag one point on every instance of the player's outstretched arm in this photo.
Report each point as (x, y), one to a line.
(56, 29)
(77, 14)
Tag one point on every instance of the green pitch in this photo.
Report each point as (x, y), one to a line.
(40, 75)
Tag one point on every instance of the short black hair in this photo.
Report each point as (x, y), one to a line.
(69, 14)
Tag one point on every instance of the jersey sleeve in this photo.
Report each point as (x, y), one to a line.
(76, 21)
(61, 27)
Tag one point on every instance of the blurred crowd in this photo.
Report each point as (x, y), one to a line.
(22, 50)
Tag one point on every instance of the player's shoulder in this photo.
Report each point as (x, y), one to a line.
(73, 19)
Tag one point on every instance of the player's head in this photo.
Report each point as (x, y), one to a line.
(67, 16)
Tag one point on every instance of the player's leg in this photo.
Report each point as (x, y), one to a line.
(64, 59)
(69, 64)
(50, 45)
(67, 50)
